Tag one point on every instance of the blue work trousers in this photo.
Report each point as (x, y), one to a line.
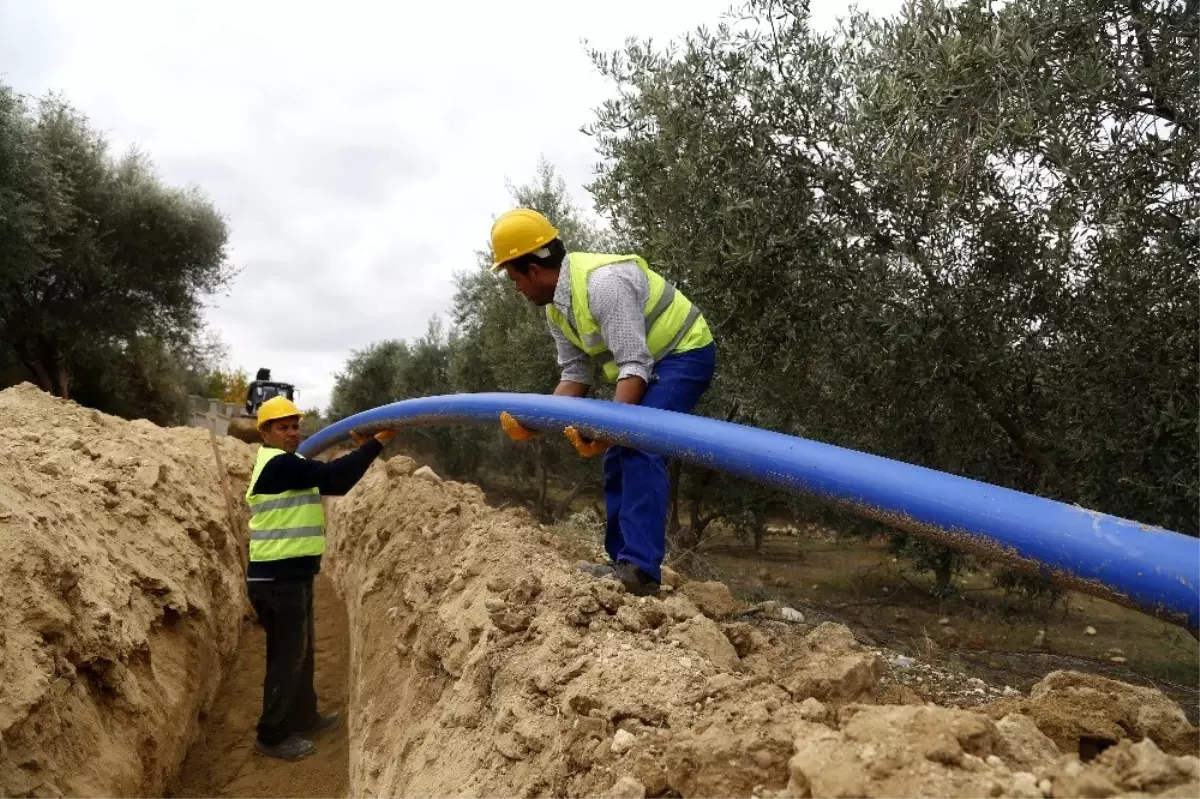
(636, 484)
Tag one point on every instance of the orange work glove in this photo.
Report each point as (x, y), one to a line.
(383, 437)
(586, 447)
(514, 429)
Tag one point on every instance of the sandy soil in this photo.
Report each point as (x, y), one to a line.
(473, 657)
(485, 665)
(120, 595)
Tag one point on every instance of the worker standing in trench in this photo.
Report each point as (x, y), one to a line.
(615, 313)
(287, 539)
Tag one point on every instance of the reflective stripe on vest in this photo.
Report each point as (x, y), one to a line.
(286, 525)
(673, 323)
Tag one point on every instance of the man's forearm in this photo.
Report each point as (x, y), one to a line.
(345, 472)
(630, 390)
(569, 388)
(290, 473)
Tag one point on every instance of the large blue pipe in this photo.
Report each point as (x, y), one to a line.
(1145, 567)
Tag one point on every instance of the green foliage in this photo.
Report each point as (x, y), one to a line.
(962, 237)
(103, 269)
(311, 422)
(1031, 589)
(501, 339)
(138, 378)
(369, 379)
(227, 385)
(924, 555)
(497, 341)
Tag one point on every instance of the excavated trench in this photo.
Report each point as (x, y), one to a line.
(473, 660)
(223, 762)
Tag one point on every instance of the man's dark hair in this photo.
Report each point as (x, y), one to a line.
(263, 374)
(551, 257)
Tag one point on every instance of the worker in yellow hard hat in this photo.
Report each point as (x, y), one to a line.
(615, 314)
(287, 538)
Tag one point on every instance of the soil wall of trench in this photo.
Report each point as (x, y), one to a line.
(481, 663)
(121, 595)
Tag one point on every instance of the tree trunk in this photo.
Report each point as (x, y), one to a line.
(694, 519)
(684, 539)
(48, 365)
(564, 507)
(1025, 443)
(698, 496)
(680, 538)
(542, 479)
(39, 374)
(942, 572)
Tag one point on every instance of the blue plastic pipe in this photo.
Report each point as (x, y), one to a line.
(1144, 567)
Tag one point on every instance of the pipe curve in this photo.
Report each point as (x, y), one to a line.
(1148, 568)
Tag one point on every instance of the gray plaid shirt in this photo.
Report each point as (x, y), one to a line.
(617, 296)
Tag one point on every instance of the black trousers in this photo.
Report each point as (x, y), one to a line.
(285, 610)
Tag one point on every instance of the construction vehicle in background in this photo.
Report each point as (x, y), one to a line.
(259, 391)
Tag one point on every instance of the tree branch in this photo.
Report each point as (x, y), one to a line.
(1025, 443)
(564, 507)
(1162, 112)
(1160, 107)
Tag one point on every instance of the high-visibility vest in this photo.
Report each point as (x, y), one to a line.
(673, 323)
(287, 525)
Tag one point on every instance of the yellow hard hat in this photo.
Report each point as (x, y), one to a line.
(519, 232)
(276, 408)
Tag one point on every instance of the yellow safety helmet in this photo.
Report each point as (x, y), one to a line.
(519, 232)
(276, 408)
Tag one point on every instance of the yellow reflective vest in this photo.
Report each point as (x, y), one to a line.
(673, 324)
(287, 525)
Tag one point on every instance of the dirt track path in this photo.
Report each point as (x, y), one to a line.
(223, 762)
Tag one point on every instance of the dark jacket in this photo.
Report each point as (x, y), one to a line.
(289, 472)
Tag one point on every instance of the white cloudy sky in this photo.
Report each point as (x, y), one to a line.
(358, 150)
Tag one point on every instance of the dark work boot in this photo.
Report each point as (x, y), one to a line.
(636, 581)
(324, 724)
(291, 748)
(595, 569)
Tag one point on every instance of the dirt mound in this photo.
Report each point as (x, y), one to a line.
(486, 665)
(1072, 707)
(121, 594)
(244, 429)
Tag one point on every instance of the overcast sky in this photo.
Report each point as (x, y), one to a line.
(358, 151)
